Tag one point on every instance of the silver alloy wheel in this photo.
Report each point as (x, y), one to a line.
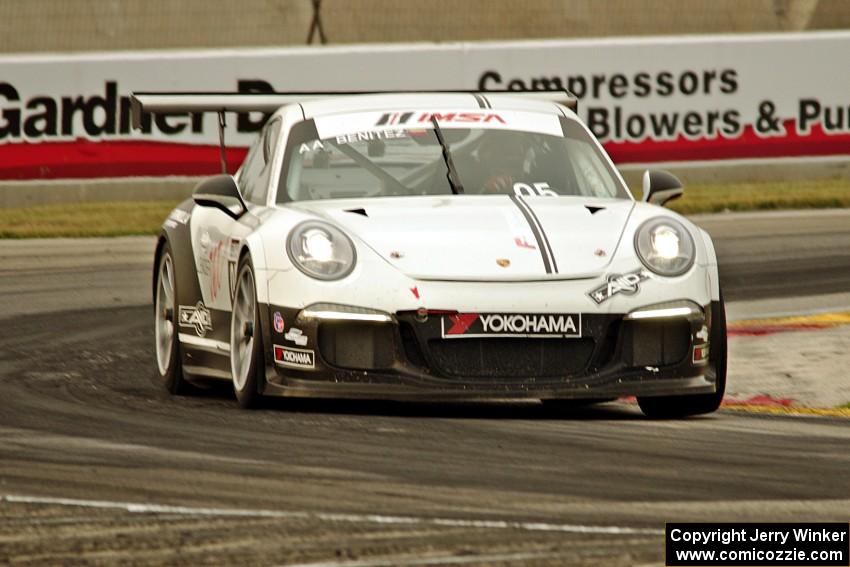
(242, 327)
(165, 313)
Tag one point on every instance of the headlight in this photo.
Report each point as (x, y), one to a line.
(665, 246)
(339, 312)
(321, 250)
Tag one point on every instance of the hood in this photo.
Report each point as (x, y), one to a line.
(485, 238)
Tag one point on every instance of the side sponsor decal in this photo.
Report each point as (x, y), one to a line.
(297, 336)
(279, 324)
(216, 259)
(473, 325)
(214, 252)
(294, 357)
(197, 316)
(700, 356)
(627, 284)
(700, 349)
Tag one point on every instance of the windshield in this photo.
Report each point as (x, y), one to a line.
(491, 157)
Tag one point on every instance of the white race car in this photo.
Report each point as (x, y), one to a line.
(435, 246)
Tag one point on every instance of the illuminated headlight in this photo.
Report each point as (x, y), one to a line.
(337, 312)
(321, 250)
(665, 246)
(666, 310)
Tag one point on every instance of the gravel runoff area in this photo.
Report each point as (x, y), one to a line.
(792, 362)
(803, 368)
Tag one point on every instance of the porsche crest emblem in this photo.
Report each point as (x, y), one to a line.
(503, 262)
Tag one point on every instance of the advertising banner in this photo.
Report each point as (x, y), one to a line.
(680, 99)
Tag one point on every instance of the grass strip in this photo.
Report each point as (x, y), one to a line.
(815, 194)
(84, 219)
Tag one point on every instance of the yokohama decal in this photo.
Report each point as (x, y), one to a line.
(295, 357)
(472, 325)
(459, 324)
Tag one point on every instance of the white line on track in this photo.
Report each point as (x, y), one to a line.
(139, 508)
(424, 561)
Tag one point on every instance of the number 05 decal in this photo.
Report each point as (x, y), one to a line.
(533, 190)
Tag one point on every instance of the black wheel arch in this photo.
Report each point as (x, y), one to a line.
(160, 244)
(179, 237)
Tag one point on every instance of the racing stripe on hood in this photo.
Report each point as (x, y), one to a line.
(539, 234)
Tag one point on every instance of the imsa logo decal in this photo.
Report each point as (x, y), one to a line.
(300, 358)
(472, 325)
(392, 118)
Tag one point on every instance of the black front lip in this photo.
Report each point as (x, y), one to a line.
(640, 384)
(606, 376)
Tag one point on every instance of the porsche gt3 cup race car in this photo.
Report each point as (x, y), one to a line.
(435, 246)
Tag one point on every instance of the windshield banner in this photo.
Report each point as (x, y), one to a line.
(682, 99)
(366, 125)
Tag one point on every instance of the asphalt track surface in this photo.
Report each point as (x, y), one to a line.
(98, 466)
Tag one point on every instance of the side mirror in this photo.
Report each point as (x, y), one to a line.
(222, 193)
(660, 187)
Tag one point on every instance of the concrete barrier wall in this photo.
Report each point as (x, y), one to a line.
(691, 104)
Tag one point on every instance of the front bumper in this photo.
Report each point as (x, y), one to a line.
(410, 357)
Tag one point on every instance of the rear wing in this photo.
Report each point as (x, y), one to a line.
(221, 103)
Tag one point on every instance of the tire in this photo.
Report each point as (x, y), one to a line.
(247, 362)
(169, 366)
(683, 406)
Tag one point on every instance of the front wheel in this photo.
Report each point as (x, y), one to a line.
(169, 367)
(682, 406)
(247, 362)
